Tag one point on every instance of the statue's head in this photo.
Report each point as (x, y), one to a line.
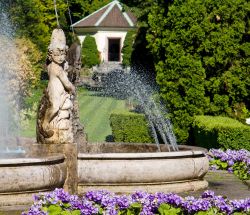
(57, 49)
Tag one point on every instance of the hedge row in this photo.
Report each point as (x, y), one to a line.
(220, 132)
(130, 127)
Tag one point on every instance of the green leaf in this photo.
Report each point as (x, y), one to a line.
(54, 210)
(76, 212)
(134, 209)
(166, 209)
(66, 213)
(224, 165)
(66, 205)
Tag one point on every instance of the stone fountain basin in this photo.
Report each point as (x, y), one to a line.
(142, 169)
(23, 176)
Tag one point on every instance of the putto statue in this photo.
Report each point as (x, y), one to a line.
(54, 122)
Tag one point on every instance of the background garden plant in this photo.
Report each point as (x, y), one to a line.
(201, 53)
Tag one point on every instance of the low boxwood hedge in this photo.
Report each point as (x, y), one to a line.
(220, 132)
(130, 127)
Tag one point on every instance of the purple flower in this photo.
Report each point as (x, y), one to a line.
(208, 194)
(234, 159)
(223, 206)
(35, 209)
(112, 204)
(169, 198)
(230, 162)
(96, 196)
(123, 201)
(230, 170)
(61, 195)
(87, 207)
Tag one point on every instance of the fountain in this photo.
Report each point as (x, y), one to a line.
(61, 157)
(131, 85)
(128, 167)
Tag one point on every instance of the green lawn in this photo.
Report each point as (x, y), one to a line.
(95, 112)
(94, 115)
(29, 130)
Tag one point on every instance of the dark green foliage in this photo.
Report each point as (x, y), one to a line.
(130, 127)
(127, 48)
(36, 19)
(90, 55)
(82, 8)
(220, 132)
(201, 50)
(142, 59)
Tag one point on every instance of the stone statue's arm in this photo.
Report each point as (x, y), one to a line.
(65, 81)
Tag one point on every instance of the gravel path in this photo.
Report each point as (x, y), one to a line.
(225, 184)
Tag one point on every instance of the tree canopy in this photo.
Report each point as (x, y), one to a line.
(201, 50)
(36, 19)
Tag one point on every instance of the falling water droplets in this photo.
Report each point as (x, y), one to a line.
(9, 98)
(132, 86)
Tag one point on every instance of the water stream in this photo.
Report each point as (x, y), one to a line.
(137, 87)
(9, 85)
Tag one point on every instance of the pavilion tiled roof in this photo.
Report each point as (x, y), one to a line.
(111, 15)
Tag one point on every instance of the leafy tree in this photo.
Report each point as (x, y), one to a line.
(141, 55)
(36, 19)
(82, 8)
(201, 50)
(30, 63)
(90, 55)
(127, 48)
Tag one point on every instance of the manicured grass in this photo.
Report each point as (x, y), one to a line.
(29, 130)
(95, 111)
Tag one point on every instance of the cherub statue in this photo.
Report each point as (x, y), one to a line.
(54, 123)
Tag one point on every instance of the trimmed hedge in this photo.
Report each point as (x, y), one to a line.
(90, 55)
(220, 132)
(130, 127)
(128, 47)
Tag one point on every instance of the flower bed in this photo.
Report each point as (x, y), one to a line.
(234, 161)
(60, 202)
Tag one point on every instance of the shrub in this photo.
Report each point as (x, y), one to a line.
(90, 55)
(127, 48)
(130, 127)
(220, 132)
(201, 51)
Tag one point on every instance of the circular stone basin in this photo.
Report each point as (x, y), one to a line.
(150, 171)
(21, 177)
